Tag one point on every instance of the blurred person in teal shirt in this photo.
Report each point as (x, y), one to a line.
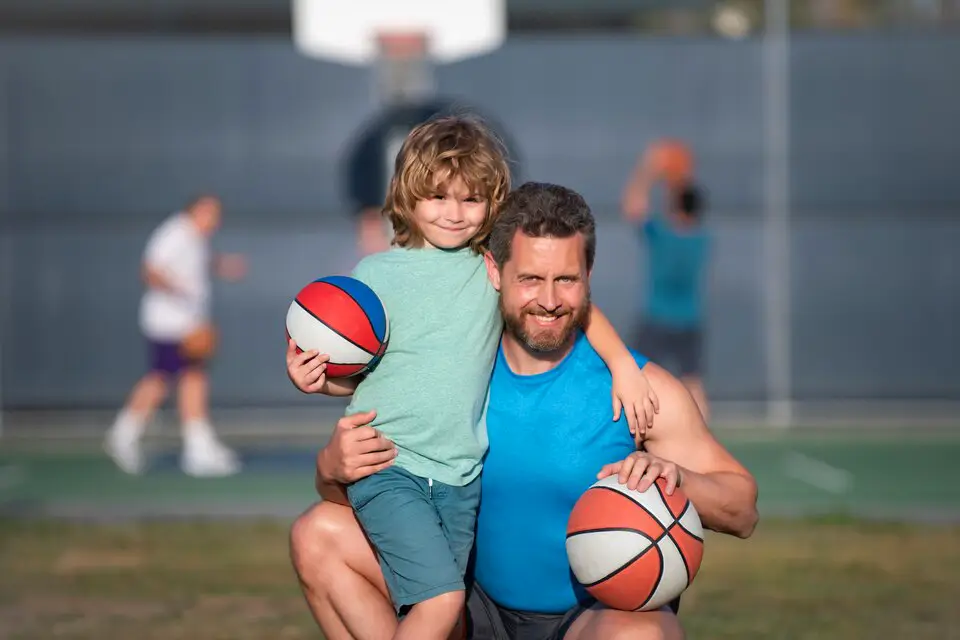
(678, 247)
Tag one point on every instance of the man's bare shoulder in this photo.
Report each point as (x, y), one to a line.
(676, 403)
(679, 433)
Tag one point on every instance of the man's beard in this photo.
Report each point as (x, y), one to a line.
(546, 341)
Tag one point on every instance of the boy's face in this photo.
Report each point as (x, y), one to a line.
(452, 217)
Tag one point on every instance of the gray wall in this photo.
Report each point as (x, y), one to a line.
(101, 139)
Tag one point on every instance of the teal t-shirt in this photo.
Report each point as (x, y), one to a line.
(430, 388)
(677, 267)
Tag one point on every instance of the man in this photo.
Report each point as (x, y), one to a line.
(677, 252)
(550, 432)
(174, 313)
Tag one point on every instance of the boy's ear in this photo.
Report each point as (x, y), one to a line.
(493, 271)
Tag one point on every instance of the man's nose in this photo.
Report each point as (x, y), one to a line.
(548, 298)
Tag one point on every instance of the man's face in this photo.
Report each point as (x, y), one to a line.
(544, 290)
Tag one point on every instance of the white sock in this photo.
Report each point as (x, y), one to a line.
(129, 425)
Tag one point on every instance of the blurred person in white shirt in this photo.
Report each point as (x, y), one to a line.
(175, 314)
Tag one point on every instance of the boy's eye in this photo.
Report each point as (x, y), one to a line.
(439, 197)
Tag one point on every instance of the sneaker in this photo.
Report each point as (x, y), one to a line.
(125, 451)
(212, 459)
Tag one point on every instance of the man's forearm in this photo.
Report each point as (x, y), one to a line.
(725, 501)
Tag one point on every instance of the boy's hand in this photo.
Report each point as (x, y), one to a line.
(307, 370)
(632, 393)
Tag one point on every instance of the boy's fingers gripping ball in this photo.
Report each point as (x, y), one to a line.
(634, 550)
(343, 318)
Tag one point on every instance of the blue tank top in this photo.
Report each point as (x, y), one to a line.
(549, 435)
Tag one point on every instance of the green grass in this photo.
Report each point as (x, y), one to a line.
(830, 578)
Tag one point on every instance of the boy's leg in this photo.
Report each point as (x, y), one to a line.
(397, 513)
(432, 619)
(457, 510)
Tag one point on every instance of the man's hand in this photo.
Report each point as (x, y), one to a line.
(640, 470)
(356, 450)
(307, 370)
(633, 394)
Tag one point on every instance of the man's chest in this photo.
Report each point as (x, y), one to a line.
(552, 450)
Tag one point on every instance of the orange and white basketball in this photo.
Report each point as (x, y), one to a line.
(672, 161)
(634, 551)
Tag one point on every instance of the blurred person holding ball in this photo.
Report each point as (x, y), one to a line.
(175, 321)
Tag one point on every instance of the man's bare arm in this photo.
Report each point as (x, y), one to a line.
(723, 491)
(356, 450)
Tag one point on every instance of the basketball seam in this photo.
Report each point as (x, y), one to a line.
(366, 317)
(604, 529)
(666, 503)
(680, 524)
(627, 564)
(642, 506)
(683, 556)
(318, 319)
(656, 584)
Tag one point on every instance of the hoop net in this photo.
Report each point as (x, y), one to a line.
(405, 70)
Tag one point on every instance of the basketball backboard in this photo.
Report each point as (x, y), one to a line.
(351, 32)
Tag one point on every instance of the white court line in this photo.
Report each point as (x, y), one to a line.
(817, 473)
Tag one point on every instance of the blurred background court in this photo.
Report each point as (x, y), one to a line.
(826, 137)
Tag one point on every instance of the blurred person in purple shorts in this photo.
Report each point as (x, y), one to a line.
(175, 320)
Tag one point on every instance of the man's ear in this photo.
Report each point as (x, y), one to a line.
(493, 271)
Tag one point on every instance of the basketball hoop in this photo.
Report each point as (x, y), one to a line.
(359, 31)
(404, 69)
(400, 45)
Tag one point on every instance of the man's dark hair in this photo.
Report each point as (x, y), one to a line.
(542, 210)
(690, 201)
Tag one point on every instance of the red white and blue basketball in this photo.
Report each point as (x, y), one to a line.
(342, 317)
(633, 550)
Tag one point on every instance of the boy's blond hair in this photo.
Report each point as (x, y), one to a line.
(436, 152)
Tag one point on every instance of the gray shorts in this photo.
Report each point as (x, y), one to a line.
(422, 531)
(486, 620)
(680, 351)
